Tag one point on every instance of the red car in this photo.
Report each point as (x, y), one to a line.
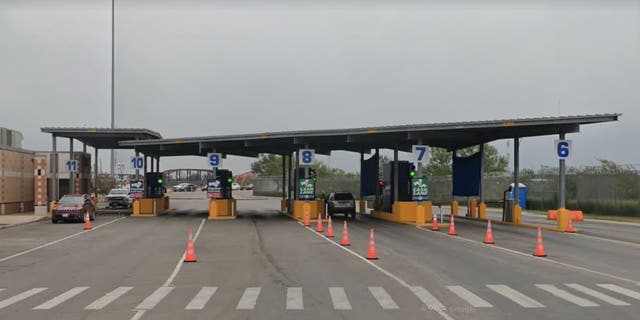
(73, 208)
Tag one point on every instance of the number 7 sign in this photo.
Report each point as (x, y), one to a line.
(420, 154)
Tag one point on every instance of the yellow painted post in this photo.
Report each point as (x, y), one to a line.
(474, 208)
(363, 206)
(517, 214)
(283, 205)
(306, 208)
(136, 208)
(482, 213)
(53, 206)
(428, 212)
(420, 214)
(563, 219)
(213, 209)
(454, 208)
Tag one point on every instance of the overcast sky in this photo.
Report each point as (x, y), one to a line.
(200, 68)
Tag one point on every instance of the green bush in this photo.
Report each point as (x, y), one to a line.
(629, 208)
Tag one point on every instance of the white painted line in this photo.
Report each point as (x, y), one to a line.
(108, 298)
(384, 299)
(48, 244)
(530, 256)
(174, 274)
(566, 295)
(403, 283)
(469, 297)
(621, 290)
(608, 299)
(200, 300)
(249, 299)
(294, 298)
(151, 301)
(2, 289)
(339, 298)
(61, 298)
(515, 296)
(19, 297)
(427, 298)
(605, 239)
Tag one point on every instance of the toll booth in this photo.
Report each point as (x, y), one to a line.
(155, 202)
(154, 185)
(404, 187)
(305, 194)
(222, 205)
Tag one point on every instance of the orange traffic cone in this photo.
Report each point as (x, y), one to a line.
(307, 221)
(330, 228)
(434, 224)
(371, 252)
(452, 227)
(87, 221)
(345, 236)
(570, 228)
(539, 245)
(319, 227)
(190, 254)
(488, 239)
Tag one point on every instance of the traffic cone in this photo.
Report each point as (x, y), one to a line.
(190, 254)
(319, 227)
(330, 228)
(488, 239)
(87, 221)
(371, 252)
(345, 236)
(434, 224)
(539, 245)
(452, 227)
(570, 228)
(307, 221)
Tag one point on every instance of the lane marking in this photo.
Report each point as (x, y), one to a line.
(441, 312)
(151, 301)
(605, 239)
(48, 244)
(567, 296)
(469, 297)
(19, 297)
(294, 298)
(173, 275)
(530, 256)
(108, 298)
(339, 298)
(621, 290)
(61, 298)
(249, 299)
(384, 299)
(598, 295)
(200, 300)
(515, 296)
(427, 298)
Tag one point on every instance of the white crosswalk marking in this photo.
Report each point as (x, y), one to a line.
(151, 301)
(566, 295)
(200, 300)
(469, 297)
(19, 297)
(61, 298)
(384, 299)
(621, 290)
(339, 298)
(249, 299)
(597, 295)
(515, 296)
(427, 298)
(108, 298)
(294, 298)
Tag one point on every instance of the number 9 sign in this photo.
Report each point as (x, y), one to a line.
(563, 149)
(214, 159)
(306, 156)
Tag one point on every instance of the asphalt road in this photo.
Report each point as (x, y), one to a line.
(266, 266)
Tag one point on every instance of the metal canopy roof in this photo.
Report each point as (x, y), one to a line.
(103, 138)
(452, 135)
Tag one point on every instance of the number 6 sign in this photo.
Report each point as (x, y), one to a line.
(563, 149)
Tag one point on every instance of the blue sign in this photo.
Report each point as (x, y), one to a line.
(563, 149)
(214, 160)
(137, 163)
(72, 165)
(214, 189)
(306, 156)
(136, 189)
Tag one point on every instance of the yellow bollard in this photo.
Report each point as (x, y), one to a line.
(454, 208)
(473, 210)
(482, 213)
(362, 206)
(53, 205)
(563, 219)
(517, 214)
(136, 208)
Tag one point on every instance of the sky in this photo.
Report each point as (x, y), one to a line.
(201, 68)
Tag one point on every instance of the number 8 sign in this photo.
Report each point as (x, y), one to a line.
(563, 149)
(214, 159)
(306, 156)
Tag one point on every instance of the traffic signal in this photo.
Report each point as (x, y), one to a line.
(412, 170)
(159, 181)
(229, 180)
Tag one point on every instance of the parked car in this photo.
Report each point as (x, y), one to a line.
(341, 202)
(247, 187)
(235, 186)
(119, 197)
(73, 207)
(182, 187)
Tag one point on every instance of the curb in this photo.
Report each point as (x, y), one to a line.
(23, 223)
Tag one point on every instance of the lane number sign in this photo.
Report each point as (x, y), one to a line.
(306, 156)
(214, 159)
(137, 163)
(420, 154)
(72, 165)
(563, 149)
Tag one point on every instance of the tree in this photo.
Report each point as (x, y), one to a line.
(440, 162)
(268, 165)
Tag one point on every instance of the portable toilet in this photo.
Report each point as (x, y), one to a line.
(523, 195)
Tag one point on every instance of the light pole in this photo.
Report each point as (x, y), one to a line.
(113, 73)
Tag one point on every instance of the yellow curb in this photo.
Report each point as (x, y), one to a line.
(522, 225)
(223, 218)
